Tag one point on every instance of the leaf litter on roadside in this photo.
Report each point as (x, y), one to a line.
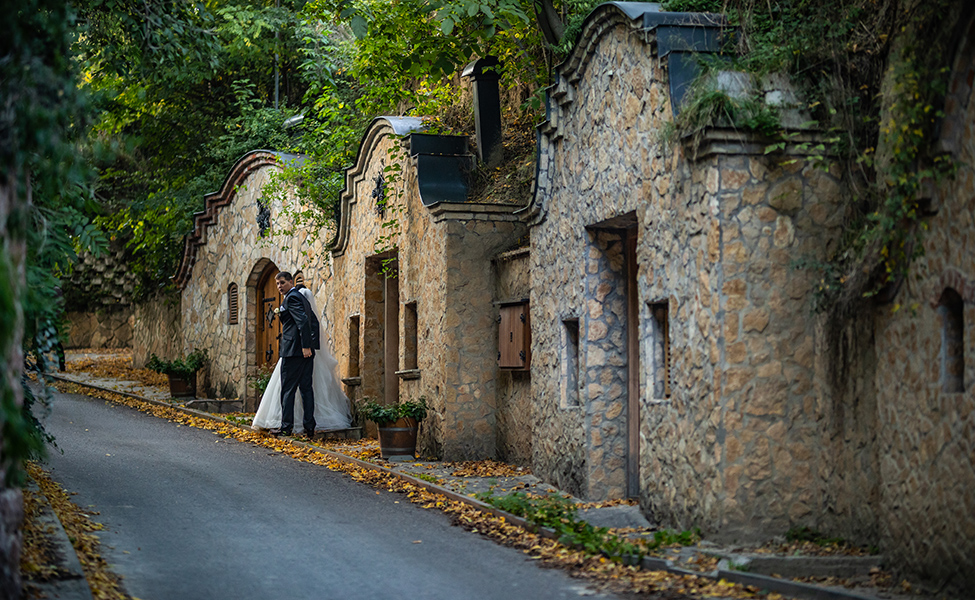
(117, 367)
(104, 584)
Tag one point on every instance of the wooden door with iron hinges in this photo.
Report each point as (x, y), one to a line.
(268, 322)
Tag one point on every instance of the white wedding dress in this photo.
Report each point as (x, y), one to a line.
(331, 403)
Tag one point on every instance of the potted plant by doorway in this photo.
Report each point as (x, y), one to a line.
(181, 372)
(398, 424)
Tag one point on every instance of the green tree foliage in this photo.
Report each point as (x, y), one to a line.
(42, 123)
(182, 91)
(405, 58)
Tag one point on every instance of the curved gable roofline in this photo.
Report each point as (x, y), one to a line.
(679, 35)
(214, 201)
(379, 128)
(645, 17)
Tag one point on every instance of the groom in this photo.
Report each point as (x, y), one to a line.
(299, 340)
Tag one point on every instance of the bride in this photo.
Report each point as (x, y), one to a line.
(331, 403)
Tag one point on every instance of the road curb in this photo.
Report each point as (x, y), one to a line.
(789, 588)
(72, 585)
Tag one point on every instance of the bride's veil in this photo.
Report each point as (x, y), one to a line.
(326, 342)
(332, 410)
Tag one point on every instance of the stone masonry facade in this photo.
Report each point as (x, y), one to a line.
(675, 355)
(105, 328)
(231, 250)
(444, 287)
(101, 287)
(156, 328)
(755, 415)
(925, 376)
(715, 238)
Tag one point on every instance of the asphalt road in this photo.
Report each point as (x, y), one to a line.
(190, 515)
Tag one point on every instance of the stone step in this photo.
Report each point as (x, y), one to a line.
(350, 433)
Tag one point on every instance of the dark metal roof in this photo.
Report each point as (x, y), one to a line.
(401, 125)
(679, 36)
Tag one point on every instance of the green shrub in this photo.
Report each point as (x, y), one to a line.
(558, 513)
(383, 414)
(180, 367)
(260, 381)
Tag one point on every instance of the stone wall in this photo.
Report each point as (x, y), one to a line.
(231, 250)
(514, 411)
(157, 329)
(475, 235)
(735, 447)
(858, 423)
(762, 417)
(98, 300)
(358, 267)
(105, 328)
(444, 288)
(925, 376)
(578, 431)
(846, 365)
(102, 281)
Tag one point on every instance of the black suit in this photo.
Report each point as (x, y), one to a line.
(297, 325)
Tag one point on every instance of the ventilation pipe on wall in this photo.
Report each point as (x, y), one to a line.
(487, 108)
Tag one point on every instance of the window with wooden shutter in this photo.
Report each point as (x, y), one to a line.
(232, 304)
(514, 339)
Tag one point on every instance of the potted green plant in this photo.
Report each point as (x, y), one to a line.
(398, 424)
(262, 379)
(181, 372)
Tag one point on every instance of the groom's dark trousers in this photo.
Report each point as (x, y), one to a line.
(297, 327)
(296, 374)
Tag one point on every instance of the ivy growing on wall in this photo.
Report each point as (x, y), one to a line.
(874, 75)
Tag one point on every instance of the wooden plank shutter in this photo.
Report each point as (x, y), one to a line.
(232, 304)
(514, 337)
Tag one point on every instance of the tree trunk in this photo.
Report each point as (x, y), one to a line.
(11, 367)
(549, 21)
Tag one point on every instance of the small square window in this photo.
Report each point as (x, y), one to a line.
(658, 350)
(569, 353)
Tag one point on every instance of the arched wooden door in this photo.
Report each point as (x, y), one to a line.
(268, 323)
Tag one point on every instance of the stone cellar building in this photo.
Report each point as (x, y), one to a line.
(670, 364)
(653, 338)
(417, 291)
(226, 280)
(676, 355)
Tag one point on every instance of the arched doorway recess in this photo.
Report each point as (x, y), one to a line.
(263, 326)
